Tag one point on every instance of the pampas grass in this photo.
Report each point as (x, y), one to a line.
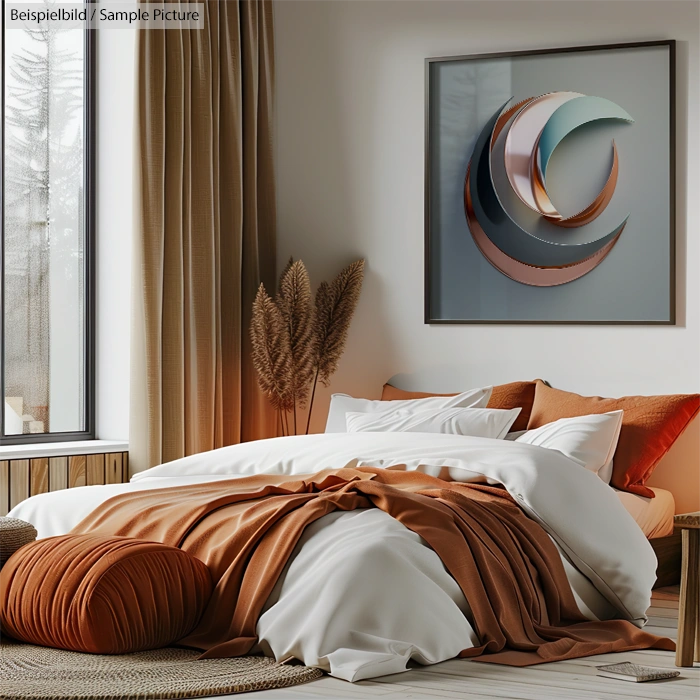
(294, 303)
(335, 307)
(271, 353)
(297, 343)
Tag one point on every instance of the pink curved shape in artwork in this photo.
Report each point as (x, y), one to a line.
(521, 146)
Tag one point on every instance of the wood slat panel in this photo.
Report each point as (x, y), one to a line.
(4, 488)
(76, 471)
(58, 473)
(113, 468)
(125, 467)
(39, 476)
(19, 481)
(95, 470)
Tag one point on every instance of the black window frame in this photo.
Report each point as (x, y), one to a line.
(89, 252)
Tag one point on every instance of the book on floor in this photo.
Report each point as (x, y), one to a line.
(635, 673)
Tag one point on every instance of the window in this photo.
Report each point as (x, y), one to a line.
(47, 232)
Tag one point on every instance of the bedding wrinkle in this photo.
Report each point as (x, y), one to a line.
(246, 531)
(341, 601)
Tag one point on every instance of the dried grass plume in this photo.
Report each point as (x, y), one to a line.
(335, 306)
(294, 303)
(271, 354)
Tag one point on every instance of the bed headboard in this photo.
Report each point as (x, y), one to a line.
(679, 471)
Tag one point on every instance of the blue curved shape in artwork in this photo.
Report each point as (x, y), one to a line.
(571, 115)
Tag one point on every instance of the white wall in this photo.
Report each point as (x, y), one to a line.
(114, 162)
(350, 157)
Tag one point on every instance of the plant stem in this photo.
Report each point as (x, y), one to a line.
(311, 403)
(295, 415)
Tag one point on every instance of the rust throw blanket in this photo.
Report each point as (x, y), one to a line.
(244, 530)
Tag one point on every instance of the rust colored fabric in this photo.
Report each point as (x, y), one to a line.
(650, 426)
(524, 611)
(102, 595)
(505, 396)
(206, 234)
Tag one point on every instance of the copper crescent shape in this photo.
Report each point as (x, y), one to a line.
(586, 215)
(522, 272)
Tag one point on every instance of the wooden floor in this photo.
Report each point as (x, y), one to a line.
(461, 678)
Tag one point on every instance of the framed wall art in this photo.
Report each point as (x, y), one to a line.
(549, 192)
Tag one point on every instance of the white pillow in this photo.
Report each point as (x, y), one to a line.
(342, 404)
(475, 422)
(590, 440)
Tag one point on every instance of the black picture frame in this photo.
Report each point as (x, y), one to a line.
(429, 319)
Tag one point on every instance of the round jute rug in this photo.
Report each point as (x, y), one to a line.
(37, 673)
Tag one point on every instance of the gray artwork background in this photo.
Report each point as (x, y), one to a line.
(633, 282)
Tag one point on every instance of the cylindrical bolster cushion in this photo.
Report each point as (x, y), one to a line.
(105, 595)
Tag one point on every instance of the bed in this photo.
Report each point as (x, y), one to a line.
(663, 428)
(340, 601)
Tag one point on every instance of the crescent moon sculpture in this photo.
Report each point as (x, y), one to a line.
(538, 125)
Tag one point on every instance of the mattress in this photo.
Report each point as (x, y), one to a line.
(653, 515)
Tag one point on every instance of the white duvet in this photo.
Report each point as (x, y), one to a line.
(363, 595)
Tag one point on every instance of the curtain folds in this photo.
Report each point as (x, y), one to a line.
(205, 231)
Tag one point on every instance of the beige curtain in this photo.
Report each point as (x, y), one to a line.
(205, 231)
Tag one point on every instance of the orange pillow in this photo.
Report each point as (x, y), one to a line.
(506, 396)
(650, 425)
(103, 595)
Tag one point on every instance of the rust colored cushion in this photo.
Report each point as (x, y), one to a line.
(104, 595)
(506, 396)
(650, 425)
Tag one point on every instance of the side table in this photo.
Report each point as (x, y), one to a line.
(688, 644)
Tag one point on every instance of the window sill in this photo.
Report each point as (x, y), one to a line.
(61, 449)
